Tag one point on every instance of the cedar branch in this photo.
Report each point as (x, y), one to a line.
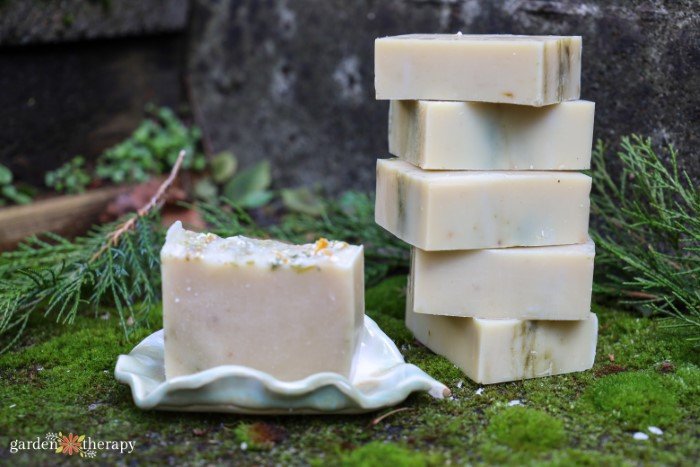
(156, 200)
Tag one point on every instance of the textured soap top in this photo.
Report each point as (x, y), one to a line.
(243, 251)
(503, 38)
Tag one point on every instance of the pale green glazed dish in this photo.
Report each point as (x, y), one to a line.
(381, 378)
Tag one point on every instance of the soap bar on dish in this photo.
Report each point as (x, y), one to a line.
(498, 350)
(526, 70)
(287, 310)
(462, 210)
(477, 136)
(542, 283)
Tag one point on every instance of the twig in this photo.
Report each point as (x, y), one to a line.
(156, 200)
(378, 420)
(639, 294)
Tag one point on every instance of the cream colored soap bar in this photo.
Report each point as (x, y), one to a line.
(288, 310)
(498, 350)
(477, 136)
(527, 70)
(462, 210)
(544, 283)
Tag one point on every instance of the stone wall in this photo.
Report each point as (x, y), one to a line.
(75, 75)
(292, 80)
(49, 21)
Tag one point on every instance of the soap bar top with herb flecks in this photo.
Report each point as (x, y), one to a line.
(244, 251)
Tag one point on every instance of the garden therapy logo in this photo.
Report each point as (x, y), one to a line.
(71, 444)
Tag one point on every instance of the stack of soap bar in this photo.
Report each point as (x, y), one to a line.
(459, 210)
(287, 310)
(489, 132)
(476, 136)
(526, 70)
(498, 350)
(545, 283)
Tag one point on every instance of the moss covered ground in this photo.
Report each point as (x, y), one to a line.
(60, 379)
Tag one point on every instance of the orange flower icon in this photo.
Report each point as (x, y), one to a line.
(69, 445)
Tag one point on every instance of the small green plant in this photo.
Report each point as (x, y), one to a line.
(151, 149)
(250, 188)
(646, 224)
(9, 193)
(303, 200)
(70, 178)
(222, 168)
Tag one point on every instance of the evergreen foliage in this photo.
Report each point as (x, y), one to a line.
(58, 277)
(646, 225)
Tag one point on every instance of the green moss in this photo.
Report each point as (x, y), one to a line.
(438, 367)
(638, 342)
(73, 368)
(575, 457)
(526, 429)
(60, 378)
(378, 454)
(635, 399)
(386, 303)
(388, 298)
(687, 378)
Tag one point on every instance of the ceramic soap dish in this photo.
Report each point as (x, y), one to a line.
(381, 379)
